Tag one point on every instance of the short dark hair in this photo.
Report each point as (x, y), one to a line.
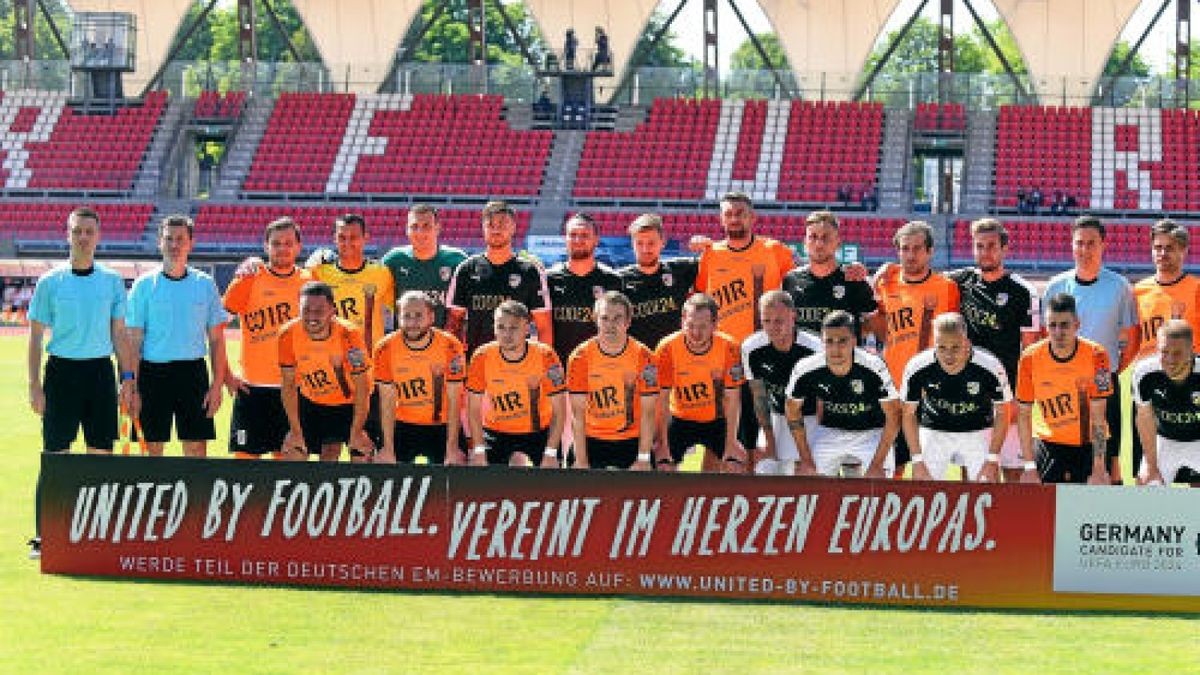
(737, 197)
(351, 219)
(279, 225)
(823, 218)
(1062, 302)
(84, 212)
(512, 308)
(177, 220)
(990, 226)
(838, 318)
(1172, 229)
(614, 298)
(1088, 222)
(702, 301)
(417, 296)
(317, 289)
(581, 218)
(418, 209)
(915, 227)
(495, 207)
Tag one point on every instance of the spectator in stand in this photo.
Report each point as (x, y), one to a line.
(1035, 201)
(570, 45)
(603, 58)
(1022, 200)
(870, 198)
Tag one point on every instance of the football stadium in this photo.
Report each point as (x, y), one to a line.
(712, 335)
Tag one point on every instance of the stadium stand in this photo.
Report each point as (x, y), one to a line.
(215, 106)
(51, 146)
(940, 117)
(389, 143)
(42, 221)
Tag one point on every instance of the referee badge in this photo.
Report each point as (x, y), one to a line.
(667, 279)
(444, 273)
(839, 291)
(1196, 398)
(856, 386)
(973, 388)
(1002, 299)
(514, 280)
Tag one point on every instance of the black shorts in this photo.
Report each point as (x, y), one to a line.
(258, 423)
(747, 422)
(501, 446)
(175, 390)
(900, 450)
(79, 392)
(603, 454)
(683, 434)
(324, 424)
(414, 440)
(1058, 463)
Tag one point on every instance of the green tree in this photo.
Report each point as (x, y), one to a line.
(918, 51)
(1138, 67)
(746, 57)
(216, 39)
(45, 47)
(448, 40)
(666, 53)
(1007, 44)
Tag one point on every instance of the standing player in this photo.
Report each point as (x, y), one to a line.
(575, 286)
(910, 295)
(768, 358)
(858, 409)
(656, 287)
(522, 381)
(1003, 316)
(1067, 377)
(1169, 294)
(956, 401)
(736, 272)
(425, 264)
(83, 305)
(700, 372)
(263, 302)
(484, 281)
(419, 371)
(326, 376)
(175, 318)
(821, 286)
(1166, 396)
(1107, 315)
(613, 386)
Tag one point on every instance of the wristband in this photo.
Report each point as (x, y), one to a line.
(127, 375)
(919, 457)
(479, 449)
(551, 452)
(993, 458)
(643, 457)
(1031, 466)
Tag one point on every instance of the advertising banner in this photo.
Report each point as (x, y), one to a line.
(566, 532)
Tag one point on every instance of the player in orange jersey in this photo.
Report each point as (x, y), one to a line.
(613, 384)
(326, 381)
(419, 371)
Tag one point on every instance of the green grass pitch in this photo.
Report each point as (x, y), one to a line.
(60, 624)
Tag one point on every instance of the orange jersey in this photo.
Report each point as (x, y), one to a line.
(698, 382)
(910, 308)
(737, 278)
(614, 385)
(517, 393)
(360, 296)
(1061, 390)
(1157, 303)
(420, 375)
(324, 368)
(263, 301)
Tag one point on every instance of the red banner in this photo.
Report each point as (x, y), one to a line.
(500, 529)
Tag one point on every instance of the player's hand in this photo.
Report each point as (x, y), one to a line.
(550, 462)
(385, 455)
(248, 267)
(699, 243)
(990, 473)
(665, 464)
(1099, 478)
(806, 468)
(293, 447)
(212, 400)
(920, 471)
(876, 471)
(1030, 476)
(477, 459)
(1150, 475)
(321, 256)
(735, 458)
(360, 441)
(855, 272)
(37, 399)
(236, 385)
(640, 466)
(454, 456)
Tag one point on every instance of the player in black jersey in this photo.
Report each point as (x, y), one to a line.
(656, 287)
(956, 399)
(821, 286)
(1003, 316)
(768, 357)
(576, 284)
(1166, 396)
(485, 280)
(858, 408)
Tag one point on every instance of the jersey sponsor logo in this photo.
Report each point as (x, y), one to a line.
(839, 292)
(356, 357)
(555, 375)
(514, 280)
(1196, 398)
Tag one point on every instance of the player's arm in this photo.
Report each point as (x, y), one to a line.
(891, 428)
(293, 443)
(475, 421)
(762, 412)
(218, 366)
(731, 404)
(456, 308)
(37, 395)
(910, 427)
(661, 420)
(387, 422)
(578, 417)
(359, 440)
(1025, 434)
(545, 326)
(558, 420)
(134, 339)
(1098, 433)
(454, 456)
(990, 472)
(794, 409)
(1144, 421)
(646, 432)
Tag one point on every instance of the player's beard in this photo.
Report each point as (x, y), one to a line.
(585, 254)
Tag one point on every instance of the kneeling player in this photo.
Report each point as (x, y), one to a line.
(955, 405)
(613, 385)
(419, 371)
(325, 405)
(858, 409)
(700, 374)
(522, 382)
(1166, 396)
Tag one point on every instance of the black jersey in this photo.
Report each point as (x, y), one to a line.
(762, 361)
(964, 401)
(815, 297)
(479, 287)
(996, 312)
(1176, 405)
(658, 298)
(572, 298)
(854, 401)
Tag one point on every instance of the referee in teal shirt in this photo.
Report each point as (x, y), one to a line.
(83, 306)
(175, 318)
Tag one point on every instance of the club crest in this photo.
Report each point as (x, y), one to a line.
(514, 280)
(1002, 299)
(973, 388)
(856, 386)
(667, 280)
(839, 291)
